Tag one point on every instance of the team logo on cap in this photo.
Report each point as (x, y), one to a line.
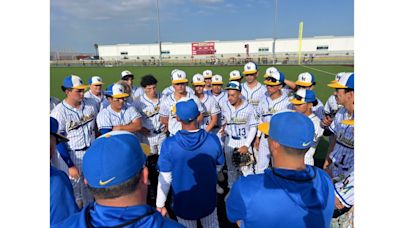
(303, 78)
(106, 182)
(248, 67)
(179, 75)
(198, 79)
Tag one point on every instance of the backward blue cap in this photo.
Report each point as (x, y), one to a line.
(54, 131)
(187, 110)
(292, 129)
(112, 159)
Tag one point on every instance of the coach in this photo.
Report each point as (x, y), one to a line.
(290, 194)
(189, 161)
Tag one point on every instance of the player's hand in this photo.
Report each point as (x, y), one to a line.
(326, 121)
(257, 143)
(162, 210)
(338, 204)
(222, 132)
(144, 131)
(243, 149)
(74, 172)
(116, 128)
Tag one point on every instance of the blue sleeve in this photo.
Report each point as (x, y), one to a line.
(62, 200)
(164, 160)
(62, 149)
(104, 130)
(235, 207)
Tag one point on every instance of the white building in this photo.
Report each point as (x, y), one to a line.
(313, 46)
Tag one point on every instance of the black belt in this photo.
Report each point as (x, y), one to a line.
(344, 169)
(237, 137)
(83, 149)
(157, 131)
(344, 145)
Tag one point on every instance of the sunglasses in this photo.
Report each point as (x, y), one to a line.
(233, 86)
(271, 79)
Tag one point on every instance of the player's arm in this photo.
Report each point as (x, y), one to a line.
(328, 161)
(213, 122)
(63, 150)
(200, 118)
(250, 137)
(164, 177)
(133, 126)
(164, 120)
(291, 84)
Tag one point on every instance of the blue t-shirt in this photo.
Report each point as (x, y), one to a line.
(282, 198)
(104, 216)
(192, 158)
(62, 200)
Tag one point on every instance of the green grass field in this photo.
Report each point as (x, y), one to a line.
(323, 75)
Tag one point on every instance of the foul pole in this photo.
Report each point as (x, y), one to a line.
(300, 41)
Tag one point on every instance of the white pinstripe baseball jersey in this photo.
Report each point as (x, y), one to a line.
(135, 94)
(211, 107)
(331, 105)
(98, 100)
(167, 109)
(238, 122)
(77, 123)
(309, 157)
(170, 90)
(254, 95)
(318, 110)
(266, 108)
(221, 99)
(344, 190)
(342, 155)
(149, 110)
(109, 118)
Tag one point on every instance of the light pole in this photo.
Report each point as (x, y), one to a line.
(158, 24)
(274, 38)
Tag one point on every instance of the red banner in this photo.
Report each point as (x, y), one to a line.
(203, 48)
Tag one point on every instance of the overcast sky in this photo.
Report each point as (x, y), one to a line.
(78, 24)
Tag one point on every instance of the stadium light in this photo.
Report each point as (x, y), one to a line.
(158, 25)
(274, 38)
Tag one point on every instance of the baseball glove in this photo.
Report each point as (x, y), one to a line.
(239, 159)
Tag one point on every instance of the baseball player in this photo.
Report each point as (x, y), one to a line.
(54, 101)
(95, 91)
(331, 106)
(207, 74)
(76, 117)
(291, 193)
(210, 105)
(235, 76)
(288, 85)
(344, 201)
(118, 116)
(188, 161)
(62, 200)
(135, 90)
(167, 107)
(303, 102)
(252, 90)
(170, 90)
(240, 129)
(115, 171)
(275, 101)
(306, 81)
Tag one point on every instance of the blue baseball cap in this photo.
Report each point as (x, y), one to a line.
(291, 129)
(303, 96)
(234, 85)
(187, 110)
(345, 82)
(54, 131)
(116, 91)
(112, 159)
(73, 82)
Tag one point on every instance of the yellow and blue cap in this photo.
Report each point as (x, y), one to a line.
(338, 76)
(235, 75)
(269, 71)
(345, 82)
(126, 73)
(305, 79)
(187, 110)
(234, 85)
(73, 82)
(178, 76)
(207, 74)
(276, 78)
(116, 91)
(217, 80)
(198, 79)
(303, 96)
(291, 129)
(95, 80)
(250, 68)
(112, 159)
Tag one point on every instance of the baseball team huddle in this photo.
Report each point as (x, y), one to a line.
(129, 156)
